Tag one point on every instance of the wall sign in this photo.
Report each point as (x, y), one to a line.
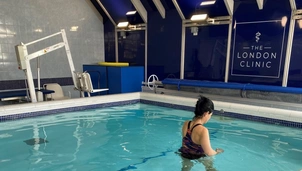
(257, 49)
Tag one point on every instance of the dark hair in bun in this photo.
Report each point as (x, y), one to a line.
(203, 105)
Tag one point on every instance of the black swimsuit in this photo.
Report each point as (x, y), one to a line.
(189, 149)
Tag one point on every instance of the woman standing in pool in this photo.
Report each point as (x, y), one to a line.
(195, 136)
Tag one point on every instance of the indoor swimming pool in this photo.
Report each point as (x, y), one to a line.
(141, 137)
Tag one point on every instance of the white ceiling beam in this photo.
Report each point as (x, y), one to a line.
(293, 4)
(260, 4)
(290, 38)
(106, 12)
(178, 10)
(160, 8)
(229, 4)
(141, 9)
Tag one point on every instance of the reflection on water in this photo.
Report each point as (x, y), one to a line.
(141, 137)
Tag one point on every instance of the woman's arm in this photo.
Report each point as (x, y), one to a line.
(205, 143)
(184, 128)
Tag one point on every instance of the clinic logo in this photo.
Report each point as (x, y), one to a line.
(258, 34)
(258, 53)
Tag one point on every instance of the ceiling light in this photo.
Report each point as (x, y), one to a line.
(209, 2)
(300, 23)
(123, 24)
(131, 13)
(199, 17)
(283, 21)
(38, 30)
(74, 28)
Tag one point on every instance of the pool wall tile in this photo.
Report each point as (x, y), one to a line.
(68, 109)
(10, 112)
(169, 105)
(183, 101)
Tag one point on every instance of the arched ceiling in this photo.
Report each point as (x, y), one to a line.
(118, 8)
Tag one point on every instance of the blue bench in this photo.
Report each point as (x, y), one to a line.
(211, 84)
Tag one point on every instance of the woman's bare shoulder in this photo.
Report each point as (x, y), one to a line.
(186, 122)
(202, 129)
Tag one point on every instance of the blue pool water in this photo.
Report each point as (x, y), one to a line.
(142, 137)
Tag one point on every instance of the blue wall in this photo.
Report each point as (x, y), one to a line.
(132, 48)
(164, 43)
(295, 72)
(205, 54)
(109, 41)
(272, 35)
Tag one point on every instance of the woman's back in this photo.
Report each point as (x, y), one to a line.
(191, 148)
